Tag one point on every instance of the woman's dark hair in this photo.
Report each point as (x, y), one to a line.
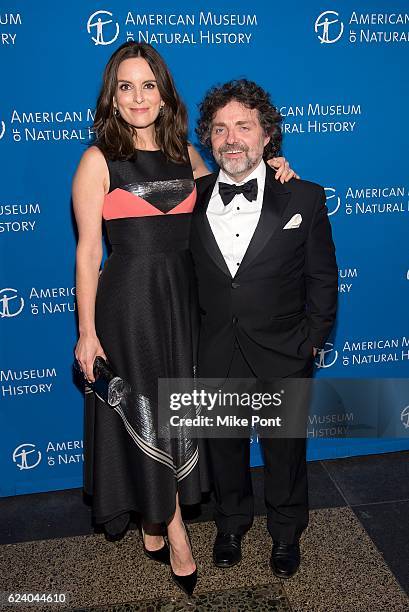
(250, 95)
(114, 136)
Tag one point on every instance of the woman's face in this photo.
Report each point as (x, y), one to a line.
(137, 95)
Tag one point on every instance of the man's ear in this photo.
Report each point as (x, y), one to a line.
(267, 139)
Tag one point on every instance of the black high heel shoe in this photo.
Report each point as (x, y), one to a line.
(160, 556)
(186, 583)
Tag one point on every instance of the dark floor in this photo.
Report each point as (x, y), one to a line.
(372, 489)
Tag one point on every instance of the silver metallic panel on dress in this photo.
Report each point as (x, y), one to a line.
(164, 195)
(180, 453)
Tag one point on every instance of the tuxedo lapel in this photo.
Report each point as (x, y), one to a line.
(275, 200)
(205, 231)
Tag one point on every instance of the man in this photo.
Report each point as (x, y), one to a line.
(267, 280)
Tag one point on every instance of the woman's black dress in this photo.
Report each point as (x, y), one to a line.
(146, 322)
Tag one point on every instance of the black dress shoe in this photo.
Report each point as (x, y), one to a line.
(285, 559)
(227, 549)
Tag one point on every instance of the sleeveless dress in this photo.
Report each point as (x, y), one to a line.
(146, 321)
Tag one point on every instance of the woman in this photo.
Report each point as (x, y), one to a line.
(139, 177)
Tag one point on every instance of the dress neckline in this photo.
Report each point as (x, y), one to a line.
(148, 150)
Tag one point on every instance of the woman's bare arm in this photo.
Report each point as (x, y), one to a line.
(90, 185)
(198, 165)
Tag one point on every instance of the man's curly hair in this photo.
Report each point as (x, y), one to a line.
(250, 95)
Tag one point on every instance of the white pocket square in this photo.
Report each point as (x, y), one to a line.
(294, 222)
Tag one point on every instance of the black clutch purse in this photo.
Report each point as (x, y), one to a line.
(110, 388)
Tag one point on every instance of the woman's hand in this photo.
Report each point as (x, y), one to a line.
(88, 347)
(283, 171)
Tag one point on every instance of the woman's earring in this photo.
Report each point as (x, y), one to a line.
(161, 110)
(116, 112)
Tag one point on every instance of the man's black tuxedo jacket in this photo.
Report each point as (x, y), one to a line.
(282, 301)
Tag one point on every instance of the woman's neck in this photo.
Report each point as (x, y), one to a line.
(145, 140)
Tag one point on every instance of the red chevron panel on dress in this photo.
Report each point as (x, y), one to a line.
(121, 204)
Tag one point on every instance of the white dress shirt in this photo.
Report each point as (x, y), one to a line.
(233, 225)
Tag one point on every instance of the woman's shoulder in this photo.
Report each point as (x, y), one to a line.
(94, 152)
(92, 167)
(94, 160)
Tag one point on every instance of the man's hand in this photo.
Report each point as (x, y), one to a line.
(283, 171)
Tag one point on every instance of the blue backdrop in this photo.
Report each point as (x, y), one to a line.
(339, 75)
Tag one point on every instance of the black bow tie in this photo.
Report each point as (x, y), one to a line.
(227, 191)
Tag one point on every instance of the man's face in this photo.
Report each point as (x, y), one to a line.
(238, 140)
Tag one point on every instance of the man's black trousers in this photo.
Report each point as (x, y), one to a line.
(285, 477)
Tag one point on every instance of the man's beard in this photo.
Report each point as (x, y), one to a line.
(235, 167)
